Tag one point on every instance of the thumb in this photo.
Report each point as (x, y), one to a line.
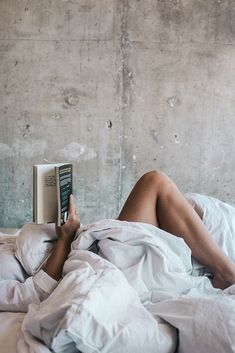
(72, 208)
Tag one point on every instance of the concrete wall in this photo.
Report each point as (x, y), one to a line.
(117, 88)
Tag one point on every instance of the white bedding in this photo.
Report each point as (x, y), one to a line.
(10, 331)
(137, 294)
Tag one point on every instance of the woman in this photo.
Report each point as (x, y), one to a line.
(155, 199)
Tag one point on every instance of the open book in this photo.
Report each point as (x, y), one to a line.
(52, 185)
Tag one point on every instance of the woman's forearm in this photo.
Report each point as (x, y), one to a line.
(55, 263)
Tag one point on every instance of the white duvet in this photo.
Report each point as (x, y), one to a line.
(138, 295)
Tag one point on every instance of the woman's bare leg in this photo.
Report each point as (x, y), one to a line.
(155, 199)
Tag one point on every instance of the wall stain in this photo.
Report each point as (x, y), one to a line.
(25, 130)
(72, 96)
(176, 138)
(153, 134)
(23, 149)
(75, 151)
(56, 116)
(170, 14)
(72, 100)
(87, 7)
(172, 101)
(225, 31)
(109, 124)
(128, 86)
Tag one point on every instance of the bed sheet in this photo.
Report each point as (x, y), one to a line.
(93, 309)
(12, 338)
(156, 282)
(10, 331)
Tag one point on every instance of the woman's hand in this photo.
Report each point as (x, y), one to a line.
(68, 230)
(66, 233)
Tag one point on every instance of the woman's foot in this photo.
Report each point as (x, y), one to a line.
(224, 280)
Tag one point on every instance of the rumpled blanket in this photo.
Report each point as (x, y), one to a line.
(137, 293)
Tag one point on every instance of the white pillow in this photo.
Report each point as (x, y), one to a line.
(219, 219)
(94, 309)
(10, 267)
(34, 244)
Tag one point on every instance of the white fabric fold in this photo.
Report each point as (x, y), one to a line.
(154, 262)
(34, 244)
(16, 296)
(94, 309)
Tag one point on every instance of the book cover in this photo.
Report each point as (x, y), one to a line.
(51, 189)
(64, 178)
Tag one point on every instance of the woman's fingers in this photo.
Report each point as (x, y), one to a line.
(72, 216)
(72, 207)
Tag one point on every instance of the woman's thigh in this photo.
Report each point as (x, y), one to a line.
(140, 205)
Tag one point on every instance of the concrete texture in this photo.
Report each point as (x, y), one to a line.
(118, 88)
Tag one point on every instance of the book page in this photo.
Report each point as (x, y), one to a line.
(46, 196)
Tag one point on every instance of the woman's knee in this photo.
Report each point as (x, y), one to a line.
(157, 178)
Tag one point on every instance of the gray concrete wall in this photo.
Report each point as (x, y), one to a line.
(117, 88)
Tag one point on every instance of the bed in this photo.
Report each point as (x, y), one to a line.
(156, 299)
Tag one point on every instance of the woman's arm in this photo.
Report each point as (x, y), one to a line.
(16, 296)
(54, 264)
